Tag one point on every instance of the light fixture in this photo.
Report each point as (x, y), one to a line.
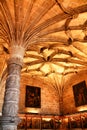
(82, 108)
(31, 110)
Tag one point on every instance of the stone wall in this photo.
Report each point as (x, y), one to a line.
(69, 102)
(49, 99)
(49, 96)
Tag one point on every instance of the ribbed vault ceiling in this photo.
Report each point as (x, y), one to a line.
(53, 32)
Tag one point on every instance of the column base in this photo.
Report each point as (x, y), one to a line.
(9, 123)
(8, 127)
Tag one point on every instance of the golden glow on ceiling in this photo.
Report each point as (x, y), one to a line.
(54, 35)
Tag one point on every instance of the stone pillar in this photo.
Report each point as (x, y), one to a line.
(61, 105)
(9, 119)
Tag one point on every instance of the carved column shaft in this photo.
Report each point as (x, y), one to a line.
(61, 105)
(11, 99)
(10, 108)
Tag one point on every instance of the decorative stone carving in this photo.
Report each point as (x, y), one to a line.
(9, 117)
(10, 127)
(61, 105)
(11, 99)
(9, 123)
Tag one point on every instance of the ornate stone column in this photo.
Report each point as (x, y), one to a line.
(9, 117)
(61, 105)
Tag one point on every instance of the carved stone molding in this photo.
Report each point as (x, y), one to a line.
(9, 123)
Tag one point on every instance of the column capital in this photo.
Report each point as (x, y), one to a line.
(17, 51)
(15, 60)
(16, 55)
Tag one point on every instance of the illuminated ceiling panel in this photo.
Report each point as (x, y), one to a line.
(54, 33)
